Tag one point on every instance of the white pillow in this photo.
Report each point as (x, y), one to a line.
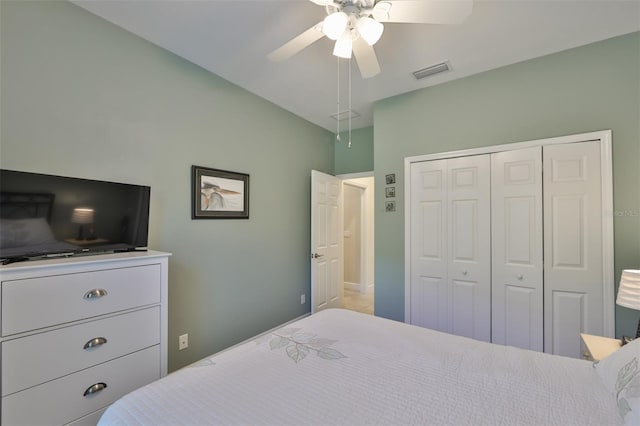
(24, 232)
(620, 373)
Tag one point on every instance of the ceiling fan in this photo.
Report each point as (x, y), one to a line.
(356, 25)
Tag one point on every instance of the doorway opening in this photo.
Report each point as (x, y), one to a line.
(358, 244)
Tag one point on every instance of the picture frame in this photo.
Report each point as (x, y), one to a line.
(390, 178)
(219, 194)
(390, 206)
(390, 192)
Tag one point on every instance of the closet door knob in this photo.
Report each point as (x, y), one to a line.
(95, 388)
(520, 277)
(464, 272)
(98, 341)
(96, 293)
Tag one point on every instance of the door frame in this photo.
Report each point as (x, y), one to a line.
(606, 164)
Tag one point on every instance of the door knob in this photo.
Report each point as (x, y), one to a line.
(520, 277)
(464, 272)
(316, 255)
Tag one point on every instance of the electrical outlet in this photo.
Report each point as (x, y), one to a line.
(303, 298)
(183, 342)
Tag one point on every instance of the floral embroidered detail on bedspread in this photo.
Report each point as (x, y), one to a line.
(202, 363)
(628, 384)
(299, 344)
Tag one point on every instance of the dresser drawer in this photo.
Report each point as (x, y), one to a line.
(89, 420)
(34, 303)
(31, 360)
(62, 401)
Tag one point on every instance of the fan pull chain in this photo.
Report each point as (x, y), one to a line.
(338, 102)
(350, 60)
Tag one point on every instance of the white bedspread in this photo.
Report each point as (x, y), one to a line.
(342, 367)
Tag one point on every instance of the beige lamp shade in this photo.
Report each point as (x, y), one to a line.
(629, 290)
(82, 215)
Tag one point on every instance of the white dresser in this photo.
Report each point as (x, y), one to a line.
(78, 333)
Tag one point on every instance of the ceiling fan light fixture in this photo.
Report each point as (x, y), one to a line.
(381, 11)
(335, 25)
(343, 46)
(370, 29)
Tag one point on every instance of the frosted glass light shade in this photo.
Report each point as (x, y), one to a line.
(370, 29)
(629, 290)
(343, 46)
(335, 24)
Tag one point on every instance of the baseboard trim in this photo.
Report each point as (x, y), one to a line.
(352, 286)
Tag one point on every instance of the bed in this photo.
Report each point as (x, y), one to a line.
(343, 367)
(24, 225)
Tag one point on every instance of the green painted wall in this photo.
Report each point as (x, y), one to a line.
(594, 87)
(358, 158)
(82, 97)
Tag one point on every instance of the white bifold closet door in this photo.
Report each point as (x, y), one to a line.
(573, 248)
(451, 246)
(516, 227)
(509, 246)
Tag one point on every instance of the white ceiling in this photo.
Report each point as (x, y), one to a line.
(232, 38)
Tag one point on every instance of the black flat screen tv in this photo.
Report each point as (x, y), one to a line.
(43, 216)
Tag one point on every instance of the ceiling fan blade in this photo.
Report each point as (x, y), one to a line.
(366, 58)
(423, 11)
(296, 44)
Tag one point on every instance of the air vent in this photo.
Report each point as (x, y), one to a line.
(433, 69)
(344, 115)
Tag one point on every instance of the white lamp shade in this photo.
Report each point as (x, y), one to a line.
(335, 24)
(343, 46)
(629, 290)
(370, 29)
(82, 215)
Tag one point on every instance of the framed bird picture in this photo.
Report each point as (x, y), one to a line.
(219, 194)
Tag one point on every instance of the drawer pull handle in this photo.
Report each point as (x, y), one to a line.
(98, 341)
(96, 293)
(95, 388)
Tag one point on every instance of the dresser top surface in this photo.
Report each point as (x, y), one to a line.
(81, 260)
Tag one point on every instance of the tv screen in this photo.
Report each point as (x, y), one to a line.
(45, 216)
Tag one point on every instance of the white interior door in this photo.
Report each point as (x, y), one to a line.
(428, 295)
(326, 242)
(469, 246)
(450, 288)
(573, 248)
(577, 243)
(516, 253)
